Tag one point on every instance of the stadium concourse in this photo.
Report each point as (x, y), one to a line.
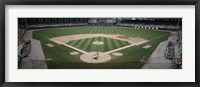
(158, 58)
(35, 58)
(79, 42)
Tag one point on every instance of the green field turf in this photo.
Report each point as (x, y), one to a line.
(61, 59)
(109, 44)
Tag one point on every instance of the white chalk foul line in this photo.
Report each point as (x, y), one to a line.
(105, 52)
(69, 46)
(121, 48)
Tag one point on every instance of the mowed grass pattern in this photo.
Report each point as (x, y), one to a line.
(109, 44)
(61, 59)
(143, 33)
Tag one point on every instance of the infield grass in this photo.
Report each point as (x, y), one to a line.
(87, 44)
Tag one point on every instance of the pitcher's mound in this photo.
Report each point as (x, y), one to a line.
(117, 54)
(98, 43)
(74, 53)
(90, 57)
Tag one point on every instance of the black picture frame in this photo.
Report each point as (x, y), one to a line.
(98, 2)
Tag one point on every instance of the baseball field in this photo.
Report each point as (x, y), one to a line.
(117, 47)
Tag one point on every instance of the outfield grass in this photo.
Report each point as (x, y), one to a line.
(130, 59)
